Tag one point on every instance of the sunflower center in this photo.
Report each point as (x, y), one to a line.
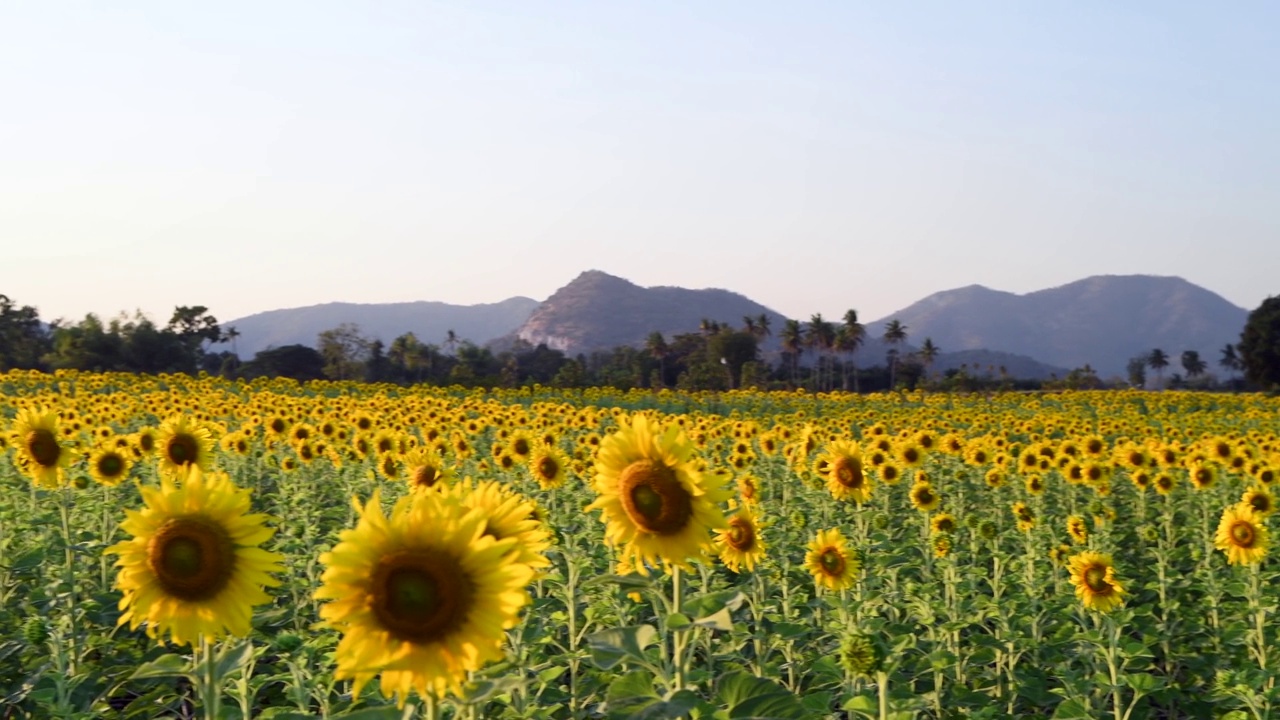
(654, 499)
(182, 449)
(44, 447)
(425, 476)
(193, 558)
(741, 535)
(848, 472)
(147, 442)
(924, 496)
(1243, 534)
(548, 468)
(520, 446)
(1096, 578)
(832, 562)
(110, 465)
(420, 597)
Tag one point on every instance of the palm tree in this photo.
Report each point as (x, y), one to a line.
(762, 322)
(749, 326)
(821, 336)
(451, 340)
(657, 347)
(708, 327)
(793, 344)
(852, 335)
(1192, 363)
(1158, 360)
(894, 333)
(1231, 360)
(928, 353)
(232, 334)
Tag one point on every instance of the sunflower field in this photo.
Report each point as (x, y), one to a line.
(198, 548)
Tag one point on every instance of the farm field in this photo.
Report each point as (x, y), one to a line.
(182, 547)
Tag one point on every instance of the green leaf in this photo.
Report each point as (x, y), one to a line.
(612, 646)
(385, 712)
(165, 666)
(716, 621)
(234, 657)
(676, 621)
(629, 582)
(744, 695)
(1071, 710)
(701, 606)
(1144, 683)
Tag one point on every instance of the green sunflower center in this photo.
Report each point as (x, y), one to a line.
(1095, 577)
(848, 472)
(44, 447)
(654, 499)
(110, 465)
(182, 449)
(421, 597)
(832, 562)
(1242, 534)
(193, 558)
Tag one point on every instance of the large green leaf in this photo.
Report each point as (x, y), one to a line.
(745, 696)
(612, 646)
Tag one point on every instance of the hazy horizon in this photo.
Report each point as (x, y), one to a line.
(250, 158)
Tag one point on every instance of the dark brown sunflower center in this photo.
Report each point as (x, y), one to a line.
(520, 446)
(741, 535)
(848, 472)
(654, 499)
(924, 496)
(1243, 534)
(548, 468)
(44, 447)
(193, 558)
(1096, 578)
(832, 562)
(1260, 503)
(182, 449)
(421, 597)
(147, 442)
(425, 476)
(911, 455)
(110, 465)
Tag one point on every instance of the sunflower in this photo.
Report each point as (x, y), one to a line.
(890, 473)
(1025, 516)
(1260, 499)
(508, 515)
(924, 498)
(35, 434)
(1077, 529)
(181, 442)
(740, 543)
(846, 478)
(421, 597)
(425, 469)
(832, 563)
(547, 466)
(521, 446)
(1202, 475)
(654, 502)
(1163, 483)
(109, 466)
(749, 489)
(193, 567)
(943, 523)
(1094, 577)
(1242, 536)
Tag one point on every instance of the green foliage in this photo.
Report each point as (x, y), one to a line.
(1260, 344)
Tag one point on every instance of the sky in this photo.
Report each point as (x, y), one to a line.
(814, 157)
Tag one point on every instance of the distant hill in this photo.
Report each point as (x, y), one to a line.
(1102, 321)
(598, 311)
(981, 363)
(429, 321)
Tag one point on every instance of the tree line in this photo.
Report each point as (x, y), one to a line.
(818, 355)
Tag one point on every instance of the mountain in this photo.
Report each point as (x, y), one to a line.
(429, 321)
(1102, 321)
(598, 311)
(984, 363)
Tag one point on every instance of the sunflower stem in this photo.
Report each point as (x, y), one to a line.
(210, 689)
(677, 637)
(431, 708)
(64, 512)
(882, 691)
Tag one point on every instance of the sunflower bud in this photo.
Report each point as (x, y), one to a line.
(860, 655)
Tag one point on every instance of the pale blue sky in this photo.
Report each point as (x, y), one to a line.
(813, 156)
